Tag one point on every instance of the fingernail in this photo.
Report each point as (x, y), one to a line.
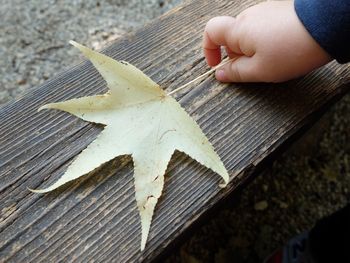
(220, 74)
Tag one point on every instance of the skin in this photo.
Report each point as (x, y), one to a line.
(267, 42)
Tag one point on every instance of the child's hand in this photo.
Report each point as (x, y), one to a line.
(269, 42)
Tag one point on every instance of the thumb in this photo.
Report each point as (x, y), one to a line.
(242, 69)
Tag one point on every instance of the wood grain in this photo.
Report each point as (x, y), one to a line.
(95, 218)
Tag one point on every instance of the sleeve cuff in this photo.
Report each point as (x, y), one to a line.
(328, 22)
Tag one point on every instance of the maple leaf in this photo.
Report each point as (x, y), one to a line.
(140, 120)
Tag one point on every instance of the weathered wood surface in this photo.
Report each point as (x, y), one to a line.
(95, 218)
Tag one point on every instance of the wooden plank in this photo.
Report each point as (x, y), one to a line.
(95, 218)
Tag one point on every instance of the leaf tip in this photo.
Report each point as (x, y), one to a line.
(73, 43)
(144, 234)
(86, 51)
(143, 245)
(37, 191)
(223, 185)
(46, 106)
(225, 176)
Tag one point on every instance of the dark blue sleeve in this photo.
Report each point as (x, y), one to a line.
(328, 22)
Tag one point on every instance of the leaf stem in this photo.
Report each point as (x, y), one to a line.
(224, 62)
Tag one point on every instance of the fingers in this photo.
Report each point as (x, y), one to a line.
(230, 53)
(218, 32)
(212, 52)
(225, 31)
(243, 69)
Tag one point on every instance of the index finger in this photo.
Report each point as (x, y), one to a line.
(217, 33)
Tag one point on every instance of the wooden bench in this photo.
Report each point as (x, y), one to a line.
(95, 218)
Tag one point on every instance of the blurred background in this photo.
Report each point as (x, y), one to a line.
(309, 181)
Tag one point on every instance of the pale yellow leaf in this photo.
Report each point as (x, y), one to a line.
(142, 121)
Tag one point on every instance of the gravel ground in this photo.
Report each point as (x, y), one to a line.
(34, 34)
(309, 181)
